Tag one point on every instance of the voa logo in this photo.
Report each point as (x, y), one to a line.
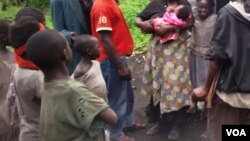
(236, 132)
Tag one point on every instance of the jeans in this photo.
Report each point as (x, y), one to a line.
(120, 97)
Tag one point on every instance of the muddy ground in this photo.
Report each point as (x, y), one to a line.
(193, 130)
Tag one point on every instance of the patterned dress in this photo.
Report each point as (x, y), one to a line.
(166, 74)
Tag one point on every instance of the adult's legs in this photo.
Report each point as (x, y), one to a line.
(120, 97)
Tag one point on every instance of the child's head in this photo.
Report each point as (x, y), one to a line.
(183, 12)
(31, 12)
(49, 50)
(27, 22)
(87, 46)
(21, 30)
(4, 34)
(205, 8)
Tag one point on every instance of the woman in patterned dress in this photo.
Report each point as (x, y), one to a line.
(166, 73)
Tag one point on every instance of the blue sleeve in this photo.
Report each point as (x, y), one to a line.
(58, 19)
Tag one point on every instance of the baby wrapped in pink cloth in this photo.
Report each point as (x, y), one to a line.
(177, 17)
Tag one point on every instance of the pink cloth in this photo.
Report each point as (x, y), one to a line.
(169, 18)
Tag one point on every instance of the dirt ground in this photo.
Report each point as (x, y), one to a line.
(193, 130)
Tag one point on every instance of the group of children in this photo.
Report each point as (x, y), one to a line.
(53, 106)
(77, 110)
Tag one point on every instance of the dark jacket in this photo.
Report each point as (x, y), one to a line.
(67, 16)
(231, 50)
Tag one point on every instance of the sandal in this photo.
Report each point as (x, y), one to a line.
(174, 134)
(134, 127)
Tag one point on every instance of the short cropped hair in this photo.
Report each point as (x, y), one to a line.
(45, 49)
(21, 30)
(32, 12)
(184, 12)
(82, 42)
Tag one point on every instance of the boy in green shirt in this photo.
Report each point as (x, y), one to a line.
(69, 111)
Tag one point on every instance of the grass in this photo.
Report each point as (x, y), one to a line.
(12, 10)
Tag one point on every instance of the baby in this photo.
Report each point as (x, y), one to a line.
(175, 15)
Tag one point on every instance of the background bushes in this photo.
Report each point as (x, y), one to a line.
(130, 9)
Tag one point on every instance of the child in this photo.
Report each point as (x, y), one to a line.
(88, 70)
(5, 54)
(200, 39)
(69, 110)
(174, 15)
(27, 78)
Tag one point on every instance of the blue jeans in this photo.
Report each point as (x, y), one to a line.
(120, 96)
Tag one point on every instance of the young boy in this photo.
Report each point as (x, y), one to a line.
(88, 70)
(69, 110)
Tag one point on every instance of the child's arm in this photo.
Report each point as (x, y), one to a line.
(108, 116)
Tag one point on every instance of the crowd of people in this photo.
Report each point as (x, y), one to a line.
(74, 83)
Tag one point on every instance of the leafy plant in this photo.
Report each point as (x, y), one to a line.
(41, 4)
(130, 9)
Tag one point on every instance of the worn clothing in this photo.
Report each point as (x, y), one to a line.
(69, 112)
(231, 50)
(166, 74)
(70, 16)
(198, 66)
(120, 96)
(238, 100)
(5, 73)
(29, 84)
(94, 80)
(107, 16)
(200, 44)
(201, 35)
(222, 114)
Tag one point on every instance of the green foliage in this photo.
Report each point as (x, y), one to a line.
(41, 4)
(10, 13)
(130, 9)
(12, 10)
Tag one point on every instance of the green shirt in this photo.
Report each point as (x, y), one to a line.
(68, 113)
